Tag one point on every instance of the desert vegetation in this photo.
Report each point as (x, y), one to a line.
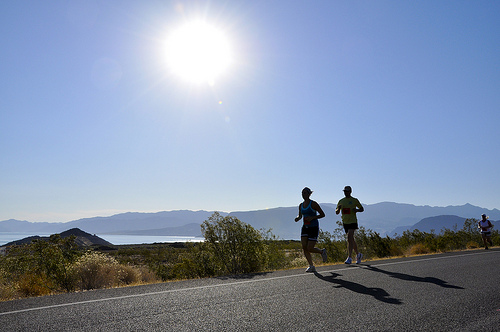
(231, 247)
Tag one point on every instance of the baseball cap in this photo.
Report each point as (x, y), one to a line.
(307, 190)
(347, 188)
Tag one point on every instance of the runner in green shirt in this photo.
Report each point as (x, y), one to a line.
(349, 207)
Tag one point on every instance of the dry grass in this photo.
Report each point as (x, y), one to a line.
(418, 249)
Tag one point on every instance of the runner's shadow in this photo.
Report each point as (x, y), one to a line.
(377, 293)
(409, 277)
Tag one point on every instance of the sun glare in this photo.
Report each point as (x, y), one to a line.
(198, 52)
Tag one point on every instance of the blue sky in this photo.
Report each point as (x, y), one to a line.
(399, 99)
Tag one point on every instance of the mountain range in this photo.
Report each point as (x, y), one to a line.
(386, 218)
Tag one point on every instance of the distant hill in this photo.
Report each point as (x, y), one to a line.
(433, 224)
(13, 225)
(83, 239)
(384, 218)
(135, 221)
(387, 216)
(192, 229)
(280, 220)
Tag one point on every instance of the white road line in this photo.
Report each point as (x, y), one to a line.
(350, 268)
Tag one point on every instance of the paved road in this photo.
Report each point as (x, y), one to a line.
(446, 292)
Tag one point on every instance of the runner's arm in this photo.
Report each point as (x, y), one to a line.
(361, 208)
(300, 214)
(316, 207)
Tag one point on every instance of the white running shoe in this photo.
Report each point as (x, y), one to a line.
(324, 256)
(348, 260)
(358, 258)
(311, 269)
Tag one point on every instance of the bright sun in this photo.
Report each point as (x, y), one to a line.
(198, 52)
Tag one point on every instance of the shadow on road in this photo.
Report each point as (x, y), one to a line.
(409, 277)
(377, 293)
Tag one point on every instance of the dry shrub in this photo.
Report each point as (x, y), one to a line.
(33, 285)
(7, 292)
(418, 249)
(96, 270)
(395, 251)
(146, 275)
(299, 262)
(128, 275)
(472, 245)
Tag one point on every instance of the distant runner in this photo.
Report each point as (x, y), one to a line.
(311, 212)
(485, 225)
(349, 207)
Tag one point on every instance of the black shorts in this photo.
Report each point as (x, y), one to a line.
(347, 227)
(310, 232)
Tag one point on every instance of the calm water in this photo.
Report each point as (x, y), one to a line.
(139, 239)
(114, 239)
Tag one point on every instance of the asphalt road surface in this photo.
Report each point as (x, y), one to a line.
(457, 291)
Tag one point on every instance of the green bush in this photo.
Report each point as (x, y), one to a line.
(336, 249)
(408, 239)
(53, 259)
(162, 263)
(202, 260)
(234, 246)
(381, 247)
(275, 256)
(335, 243)
(41, 267)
